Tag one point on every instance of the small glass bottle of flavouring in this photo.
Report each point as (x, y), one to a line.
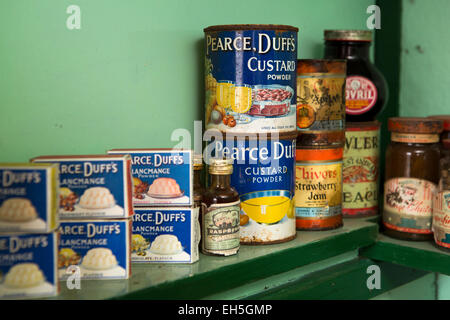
(441, 202)
(220, 214)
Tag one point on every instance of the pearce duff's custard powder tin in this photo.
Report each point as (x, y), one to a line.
(264, 176)
(250, 78)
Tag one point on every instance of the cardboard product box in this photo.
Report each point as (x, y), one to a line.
(161, 177)
(93, 186)
(99, 249)
(28, 265)
(166, 235)
(28, 198)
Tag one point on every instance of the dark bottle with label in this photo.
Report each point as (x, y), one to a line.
(366, 88)
(221, 211)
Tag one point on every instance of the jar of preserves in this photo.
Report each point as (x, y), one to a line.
(411, 177)
(360, 171)
(366, 88)
(441, 204)
(221, 210)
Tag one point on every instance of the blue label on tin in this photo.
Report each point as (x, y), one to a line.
(262, 168)
(28, 265)
(251, 80)
(24, 200)
(165, 235)
(100, 248)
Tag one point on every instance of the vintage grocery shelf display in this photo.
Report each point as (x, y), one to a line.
(294, 181)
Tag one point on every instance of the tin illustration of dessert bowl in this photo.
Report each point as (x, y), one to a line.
(264, 176)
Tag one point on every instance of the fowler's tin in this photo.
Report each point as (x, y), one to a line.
(321, 102)
(360, 175)
(263, 174)
(318, 189)
(250, 78)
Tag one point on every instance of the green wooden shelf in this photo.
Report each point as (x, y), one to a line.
(423, 255)
(212, 275)
(345, 281)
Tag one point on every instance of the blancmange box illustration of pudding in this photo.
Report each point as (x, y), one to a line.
(28, 266)
(99, 249)
(28, 198)
(165, 235)
(161, 176)
(93, 186)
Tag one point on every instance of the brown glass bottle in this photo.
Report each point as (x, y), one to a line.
(366, 88)
(221, 211)
(411, 177)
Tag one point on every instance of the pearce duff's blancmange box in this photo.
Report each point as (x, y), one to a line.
(161, 176)
(165, 235)
(93, 186)
(99, 248)
(28, 198)
(28, 265)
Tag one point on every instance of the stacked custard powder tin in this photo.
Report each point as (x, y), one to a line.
(250, 76)
(320, 141)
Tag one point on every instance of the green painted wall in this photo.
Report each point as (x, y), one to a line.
(134, 71)
(425, 67)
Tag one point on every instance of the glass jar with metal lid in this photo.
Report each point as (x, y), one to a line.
(411, 177)
(366, 88)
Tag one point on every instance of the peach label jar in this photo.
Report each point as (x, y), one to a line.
(411, 177)
(360, 173)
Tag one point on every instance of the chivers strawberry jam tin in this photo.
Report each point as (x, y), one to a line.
(318, 188)
(250, 78)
